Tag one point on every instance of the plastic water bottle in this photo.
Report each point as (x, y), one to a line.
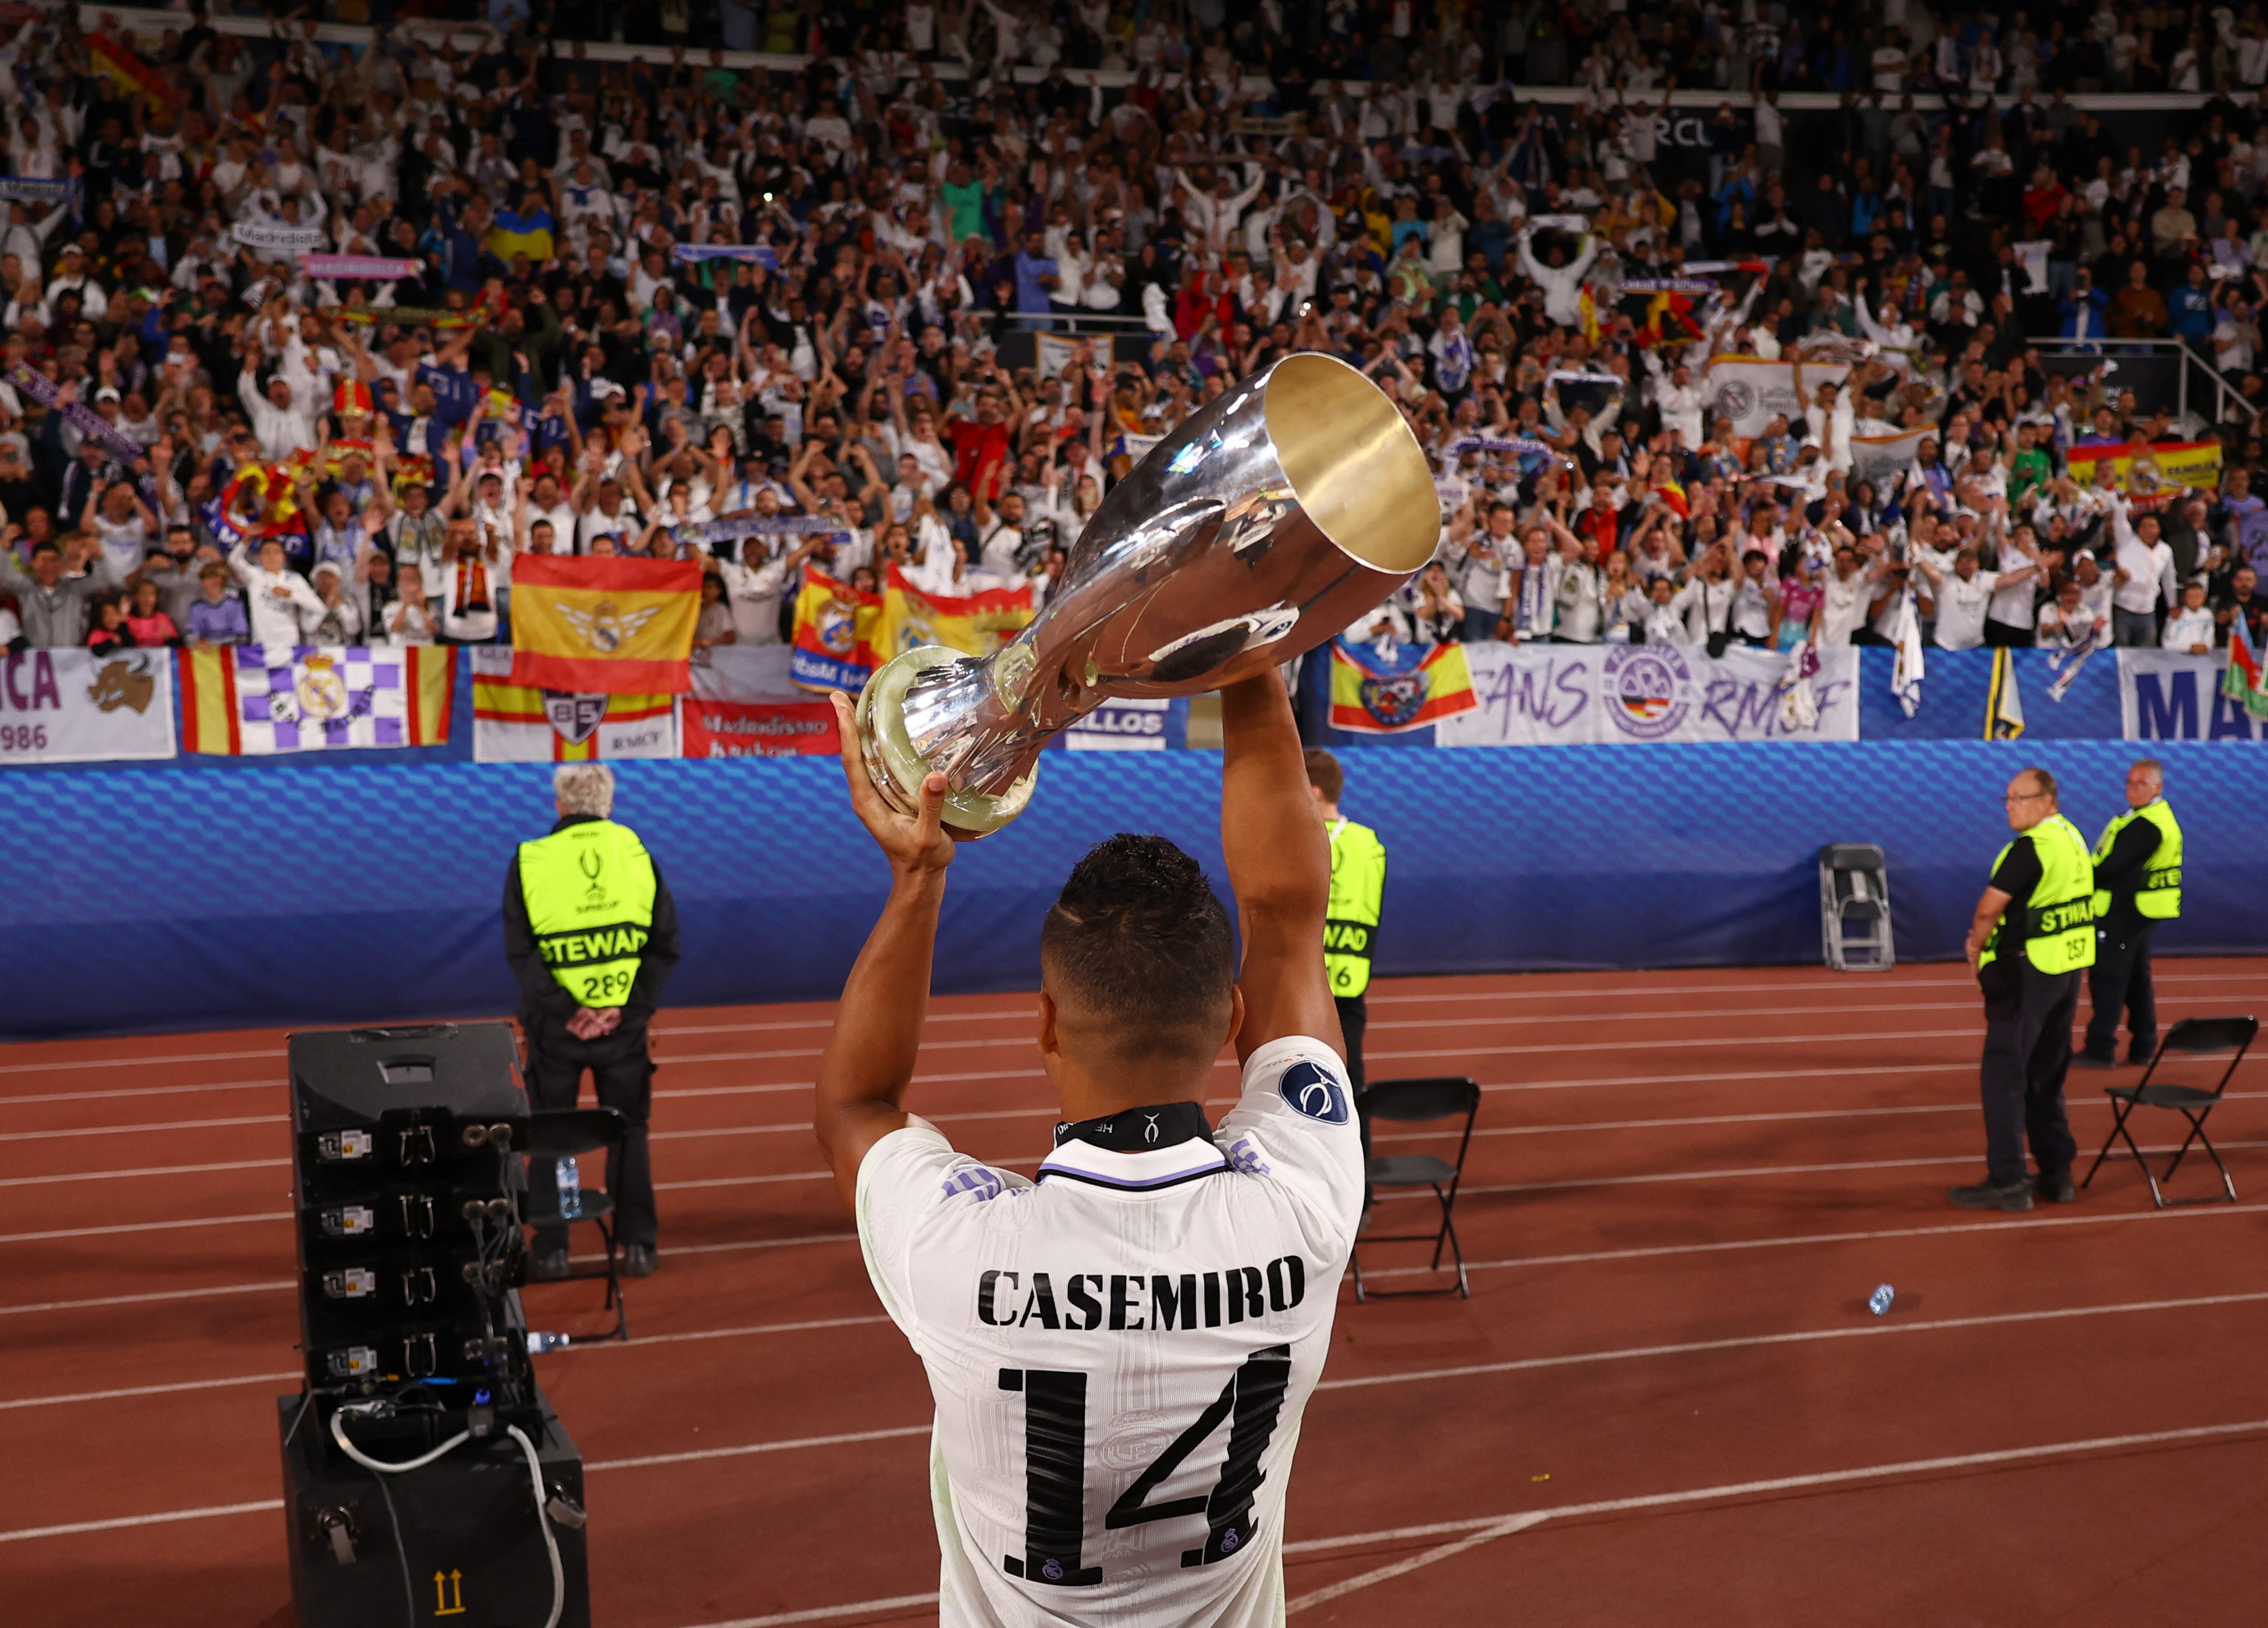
(539, 1342)
(570, 1189)
(1880, 1301)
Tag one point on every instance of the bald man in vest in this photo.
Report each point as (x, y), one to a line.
(2032, 935)
(591, 933)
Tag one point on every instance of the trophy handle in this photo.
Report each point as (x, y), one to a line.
(897, 769)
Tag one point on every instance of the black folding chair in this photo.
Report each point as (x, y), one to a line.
(2192, 1037)
(1415, 1102)
(561, 1133)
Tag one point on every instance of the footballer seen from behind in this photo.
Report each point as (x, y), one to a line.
(1120, 1348)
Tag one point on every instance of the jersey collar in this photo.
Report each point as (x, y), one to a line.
(1136, 1150)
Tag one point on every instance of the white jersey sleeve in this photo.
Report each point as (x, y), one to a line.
(1295, 1126)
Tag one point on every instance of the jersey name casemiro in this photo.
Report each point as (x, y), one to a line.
(1121, 1350)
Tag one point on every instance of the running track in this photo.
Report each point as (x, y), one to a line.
(1666, 1400)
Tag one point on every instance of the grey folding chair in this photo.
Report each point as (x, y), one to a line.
(1417, 1102)
(2190, 1038)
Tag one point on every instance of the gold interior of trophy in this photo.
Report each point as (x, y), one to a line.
(1351, 459)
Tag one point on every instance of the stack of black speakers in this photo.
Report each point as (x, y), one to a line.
(410, 1245)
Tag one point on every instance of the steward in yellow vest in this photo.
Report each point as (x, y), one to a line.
(2138, 884)
(591, 933)
(1358, 894)
(2032, 935)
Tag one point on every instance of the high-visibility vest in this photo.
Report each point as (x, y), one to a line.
(2054, 929)
(2159, 896)
(590, 890)
(1358, 890)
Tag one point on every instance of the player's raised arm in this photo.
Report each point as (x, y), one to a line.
(1279, 867)
(870, 1056)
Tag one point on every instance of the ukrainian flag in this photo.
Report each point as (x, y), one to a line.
(512, 233)
(602, 626)
(1417, 685)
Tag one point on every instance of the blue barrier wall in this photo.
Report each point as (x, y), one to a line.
(366, 890)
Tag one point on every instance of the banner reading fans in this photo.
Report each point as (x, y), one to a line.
(1377, 692)
(72, 706)
(258, 700)
(2149, 467)
(513, 723)
(1570, 694)
(976, 625)
(835, 624)
(614, 627)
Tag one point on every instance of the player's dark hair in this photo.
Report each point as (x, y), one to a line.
(1138, 939)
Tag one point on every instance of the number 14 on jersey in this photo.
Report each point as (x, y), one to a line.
(1055, 1468)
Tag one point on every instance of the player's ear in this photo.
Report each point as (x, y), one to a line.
(1235, 1015)
(1050, 1046)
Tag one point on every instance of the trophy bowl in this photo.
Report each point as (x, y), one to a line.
(1271, 519)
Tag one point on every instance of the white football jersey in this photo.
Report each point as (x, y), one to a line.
(1121, 1350)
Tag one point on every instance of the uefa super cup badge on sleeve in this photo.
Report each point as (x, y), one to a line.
(1270, 521)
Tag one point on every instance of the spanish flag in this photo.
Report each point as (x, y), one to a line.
(113, 59)
(834, 630)
(976, 625)
(512, 233)
(611, 627)
(1417, 685)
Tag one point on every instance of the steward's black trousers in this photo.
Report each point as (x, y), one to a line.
(623, 1073)
(2120, 981)
(2027, 1053)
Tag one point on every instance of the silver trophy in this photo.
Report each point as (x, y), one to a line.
(1269, 522)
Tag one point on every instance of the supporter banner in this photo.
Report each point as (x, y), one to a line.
(836, 630)
(976, 625)
(78, 415)
(283, 240)
(759, 728)
(370, 266)
(258, 700)
(762, 254)
(1127, 727)
(705, 533)
(2164, 695)
(1376, 690)
(73, 706)
(33, 189)
(604, 626)
(416, 316)
(1751, 391)
(2143, 467)
(1878, 457)
(1054, 351)
(516, 724)
(1565, 695)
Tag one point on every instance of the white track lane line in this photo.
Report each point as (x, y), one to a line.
(111, 1176)
(699, 1454)
(1487, 1530)
(1874, 1328)
(1651, 1251)
(829, 1613)
(1629, 993)
(166, 1124)
(145, 1091)
(155, 1296)
(154, 1390)
(143, 1226)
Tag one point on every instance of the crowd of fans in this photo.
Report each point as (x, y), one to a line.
(653, 295)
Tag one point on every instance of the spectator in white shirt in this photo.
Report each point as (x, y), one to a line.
(277, 599)
(2190, 629)
(2142, 572)
(1962, 597)
(2063, 621)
